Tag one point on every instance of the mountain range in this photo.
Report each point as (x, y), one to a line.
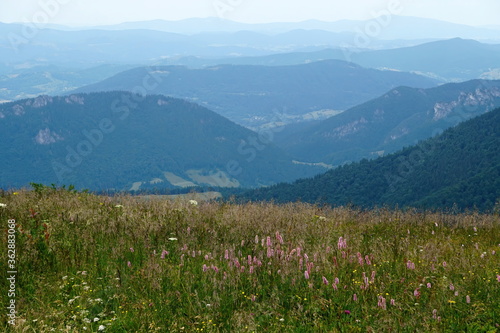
(459, 167)
(401, 117)
(254, 96)
(123, 141)
(395, 27)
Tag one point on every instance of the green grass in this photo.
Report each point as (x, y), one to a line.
(132, 265)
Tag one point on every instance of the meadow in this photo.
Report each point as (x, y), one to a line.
(88, 263)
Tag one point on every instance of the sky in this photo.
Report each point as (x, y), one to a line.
(105, 12)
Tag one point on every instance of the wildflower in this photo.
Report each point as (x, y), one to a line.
(279, 238)
(498, 278)
(306, 274)
(367, 260)
(451, 302)
(342, 243)
(2, 205)
(467, 299)
(429, 285)
(15, 193)
(131, 249)
(325, 281)
(360, 259)
(434, 314)
(268, 241)
(444, 263)
(355, 297)
(193, 202)
(452, 287)
(410, 265)
(347, 312)
(381, 303)
(101, 328)
(118, 206)
(393, 302)
(205, 268)
(172, 239)
(96, 319)
(129, 264)
(416, 293)
(163, 254)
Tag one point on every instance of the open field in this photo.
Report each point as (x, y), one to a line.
(89, 263)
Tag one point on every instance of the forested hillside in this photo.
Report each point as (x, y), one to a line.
(461, 166)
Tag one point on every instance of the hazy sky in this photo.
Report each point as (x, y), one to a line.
(100, 12)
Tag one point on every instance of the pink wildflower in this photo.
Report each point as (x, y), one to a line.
(393, 302)
(129, 264)
(131, 249)
(325, 281)
(306, 274)
(360, 259)
(279, 238)
(342, 244)
(355, 297)
(381, 303)
(467, 299)
(163, 254)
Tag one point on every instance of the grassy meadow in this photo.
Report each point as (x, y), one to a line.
(90, 263)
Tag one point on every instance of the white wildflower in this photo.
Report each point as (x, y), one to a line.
(3, 205)
(193, 202)
(172, 239)
(119, 206)
(101, 328)
(96, 319)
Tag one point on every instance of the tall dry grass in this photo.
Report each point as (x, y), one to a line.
(124, 264)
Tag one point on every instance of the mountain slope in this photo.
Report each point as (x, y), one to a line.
(122, 141)
(401, 117)
(461, 166)
(256, 95)
(451, 60)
